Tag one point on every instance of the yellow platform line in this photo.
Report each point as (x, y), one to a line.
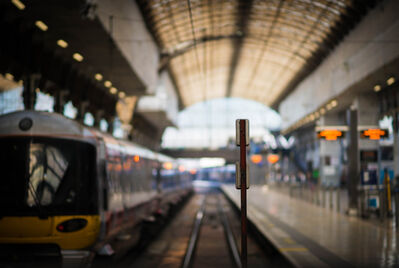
(293, 249)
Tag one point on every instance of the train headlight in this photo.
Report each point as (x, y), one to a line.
(72, 225)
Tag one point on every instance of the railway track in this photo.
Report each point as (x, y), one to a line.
(205, 233)
(209, 219)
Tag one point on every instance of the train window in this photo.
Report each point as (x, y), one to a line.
(47, 176)
(47, 167)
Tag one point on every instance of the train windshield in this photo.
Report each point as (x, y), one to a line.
(45, 176)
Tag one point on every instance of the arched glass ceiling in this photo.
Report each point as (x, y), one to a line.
(211, 123)
(255, 49)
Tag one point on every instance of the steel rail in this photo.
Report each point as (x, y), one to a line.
(229, 236)
(194, 236)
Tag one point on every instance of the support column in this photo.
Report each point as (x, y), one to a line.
(353, 161)
(363, 112)
(29, 94)
(396, 146)
(82, 108)
(110, 122)
(59, 100)
(330, 153)
(97, 118)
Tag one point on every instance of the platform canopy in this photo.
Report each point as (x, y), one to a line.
(255, 49)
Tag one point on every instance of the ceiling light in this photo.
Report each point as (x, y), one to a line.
(390, 81)
(113, 90)
(78, 57)
(107, 83)
(62, 43)
(98, 77)
(333, 103)
(377, 88)
(18, 4)
(41, 25)
(322, 111)
(328, 106)
(121, 94)
(9, 76)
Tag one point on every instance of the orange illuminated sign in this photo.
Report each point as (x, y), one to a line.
(193, 171)
(330, 134)
(136, 158)
(167, 165)
(256, 158)
(273, 158)
(374, 134)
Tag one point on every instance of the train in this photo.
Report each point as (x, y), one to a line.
(73, 190)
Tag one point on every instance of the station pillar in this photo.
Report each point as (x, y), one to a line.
(97, 118)
(110, 122)
(363, 112)
(396, 146)
(353, 178)
(59, 101)
(330, 152)
(82, 109)
(29, 95)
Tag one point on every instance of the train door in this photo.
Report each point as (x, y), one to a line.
(102, 186)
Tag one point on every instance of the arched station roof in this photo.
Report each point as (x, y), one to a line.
(254, 49)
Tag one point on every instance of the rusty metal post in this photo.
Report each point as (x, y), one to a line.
(243, 169)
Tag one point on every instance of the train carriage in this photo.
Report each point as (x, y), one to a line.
(69, 189)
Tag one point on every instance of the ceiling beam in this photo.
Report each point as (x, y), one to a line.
(244, 10)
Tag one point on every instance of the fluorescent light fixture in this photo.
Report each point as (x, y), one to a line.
(107, 83)
(9, 76)
(113, 90)
(78, 57)
(333, 103)
(98, 77)
(121, 94)
(62, 43)
(18, 4)
(41, 25)
(390, 80)
(377, 88)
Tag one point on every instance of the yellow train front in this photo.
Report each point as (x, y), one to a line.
(70, 191)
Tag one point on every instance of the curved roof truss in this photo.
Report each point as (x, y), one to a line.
(255, 49)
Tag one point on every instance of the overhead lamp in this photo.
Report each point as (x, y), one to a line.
(322, 111)
(98, 76)
(390, 80)
(107, 83)
(41, 25)
(9, 76)
(121, 94)
(113, 90)
(18, 4)
(377, 88)
(333, 103)
(316, 114)
(328, 106)
(78, 57)
(311, 117)
(62, 43)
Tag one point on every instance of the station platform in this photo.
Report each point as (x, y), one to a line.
(312, 236)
